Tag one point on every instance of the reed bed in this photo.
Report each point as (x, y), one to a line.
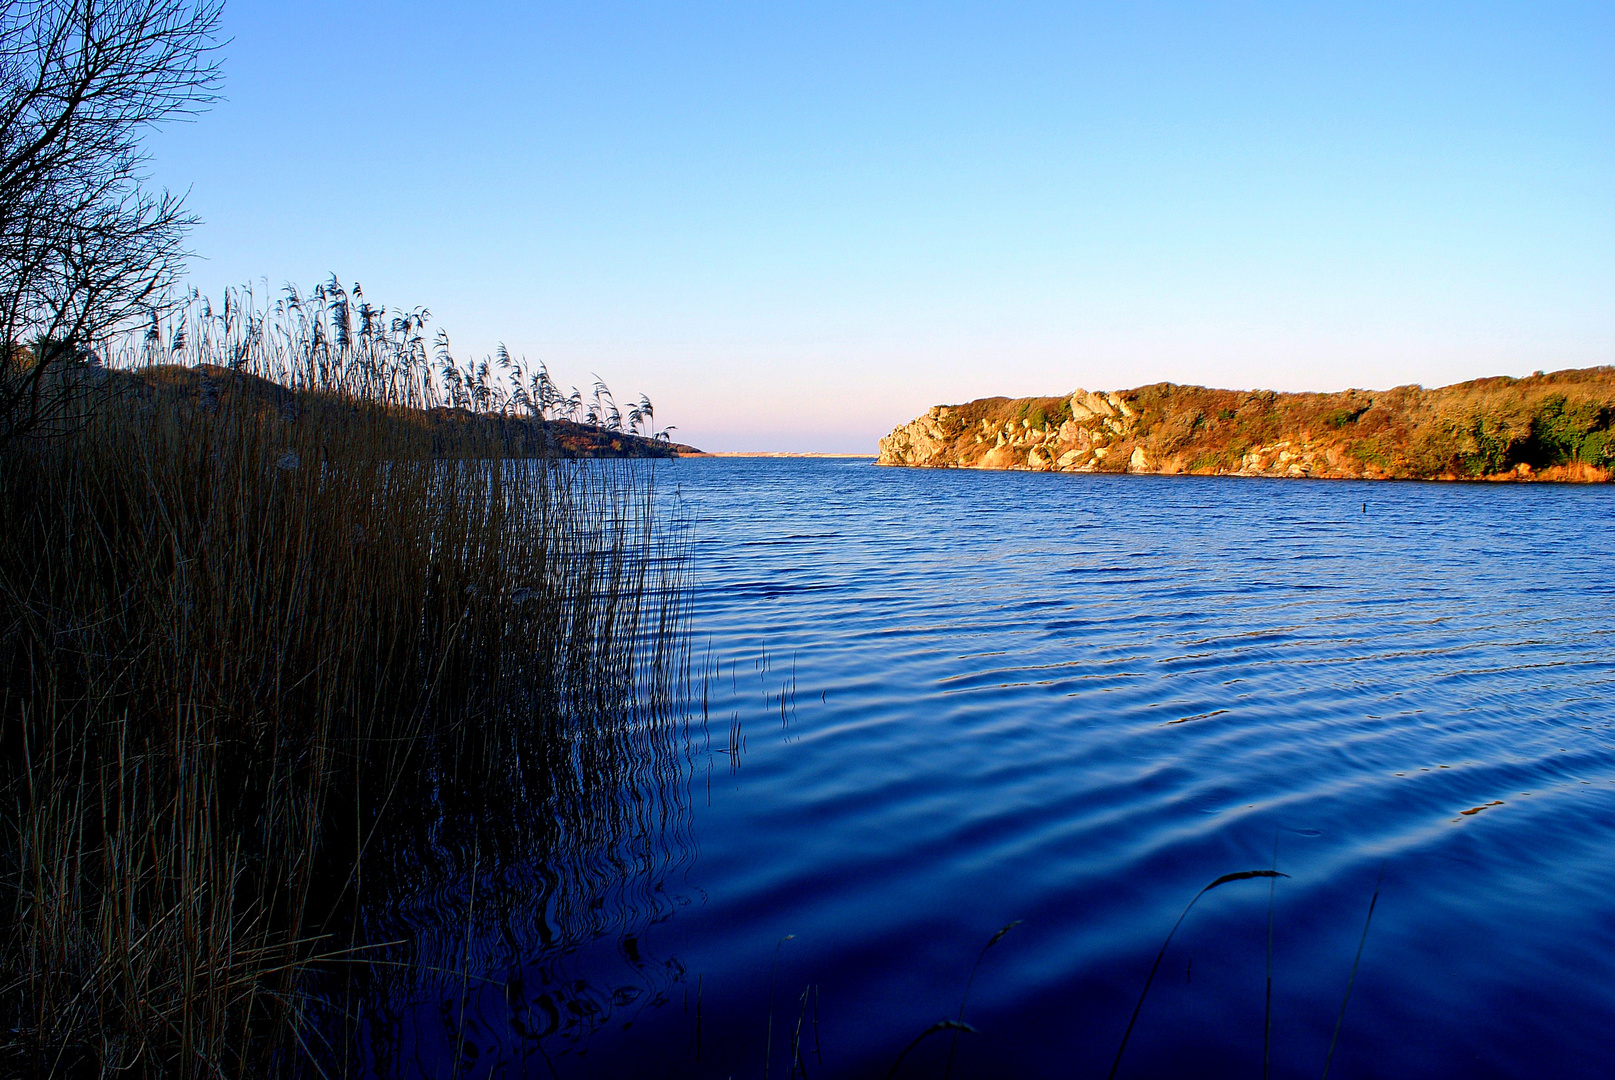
(245, 640)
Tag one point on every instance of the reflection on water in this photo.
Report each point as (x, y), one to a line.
(925, 704)
(503, 897)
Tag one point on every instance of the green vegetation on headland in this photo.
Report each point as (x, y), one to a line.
(1545, 427)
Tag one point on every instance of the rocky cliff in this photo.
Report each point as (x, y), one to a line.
(1548, 426)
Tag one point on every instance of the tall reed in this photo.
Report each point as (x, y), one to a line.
(242, 631)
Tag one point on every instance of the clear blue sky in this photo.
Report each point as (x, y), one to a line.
(797, 226)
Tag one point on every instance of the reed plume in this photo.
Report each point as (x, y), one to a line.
(249, 612)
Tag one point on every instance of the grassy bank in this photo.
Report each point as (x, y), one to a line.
(442, 431)
(243, 647)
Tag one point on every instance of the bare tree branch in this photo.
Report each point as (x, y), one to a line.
(84, 248)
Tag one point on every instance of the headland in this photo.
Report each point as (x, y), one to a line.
(1548, 426)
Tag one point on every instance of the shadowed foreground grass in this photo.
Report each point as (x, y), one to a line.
(234, 642)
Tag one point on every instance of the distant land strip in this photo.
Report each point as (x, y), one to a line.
(437, 431)
(770, 454)
(1549, 426)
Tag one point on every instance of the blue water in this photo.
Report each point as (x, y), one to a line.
(939, 701)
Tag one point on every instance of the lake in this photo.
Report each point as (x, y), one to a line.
(925, 704)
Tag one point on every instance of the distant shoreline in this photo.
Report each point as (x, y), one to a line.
(773, 454)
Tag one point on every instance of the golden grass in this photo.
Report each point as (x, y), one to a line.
(234, 641)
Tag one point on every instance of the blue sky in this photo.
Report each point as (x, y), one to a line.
(797, 226)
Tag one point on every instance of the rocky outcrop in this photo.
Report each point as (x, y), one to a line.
(1548, 427)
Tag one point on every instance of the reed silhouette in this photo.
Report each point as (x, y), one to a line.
(277, 667)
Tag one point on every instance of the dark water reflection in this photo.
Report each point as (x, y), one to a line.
(508, 881)
(939, 701)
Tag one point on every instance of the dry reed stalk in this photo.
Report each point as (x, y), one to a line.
(236, 636)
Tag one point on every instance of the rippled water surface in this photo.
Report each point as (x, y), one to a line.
(939, 701)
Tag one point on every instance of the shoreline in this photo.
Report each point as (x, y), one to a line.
(1584, 476)
(775, 454)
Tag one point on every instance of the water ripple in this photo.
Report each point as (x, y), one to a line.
(1076, 700)
(934, 702)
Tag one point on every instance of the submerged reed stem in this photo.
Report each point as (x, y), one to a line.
(1267, 1006)
(947, 1070)
(1241, 875)
(1341, 1019)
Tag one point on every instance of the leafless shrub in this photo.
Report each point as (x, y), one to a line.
(84, 247)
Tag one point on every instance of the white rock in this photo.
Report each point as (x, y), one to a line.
(1091, 404)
